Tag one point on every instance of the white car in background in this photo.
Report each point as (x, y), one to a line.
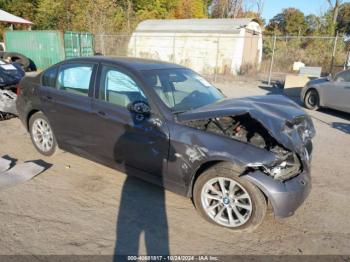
(328, 92)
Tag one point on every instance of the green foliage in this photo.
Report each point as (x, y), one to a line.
(290, 22)
(343, 20)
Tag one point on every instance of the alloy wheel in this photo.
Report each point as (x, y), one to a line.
(226, 202)
(42, 135)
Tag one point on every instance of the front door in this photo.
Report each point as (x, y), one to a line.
(122, 137)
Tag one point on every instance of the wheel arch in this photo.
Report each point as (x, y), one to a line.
(29, 115)
(205, 166)
(317, 90)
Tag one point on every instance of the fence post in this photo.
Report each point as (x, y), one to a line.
(334, 52)
(102, 44)
(174, 48)
(135, 45)
(271, 64)
(217, 59)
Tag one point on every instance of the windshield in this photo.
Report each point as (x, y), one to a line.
(181, 89)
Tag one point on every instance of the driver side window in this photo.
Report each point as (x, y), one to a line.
(118, 88)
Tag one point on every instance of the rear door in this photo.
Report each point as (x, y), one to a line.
(337, 94)
(66, 99)
(123, 138)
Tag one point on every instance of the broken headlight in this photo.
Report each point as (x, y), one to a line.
(287, 169)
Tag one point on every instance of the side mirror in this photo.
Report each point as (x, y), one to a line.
(329, 77)
(139, 107)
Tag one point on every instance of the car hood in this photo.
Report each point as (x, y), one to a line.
(276, 113)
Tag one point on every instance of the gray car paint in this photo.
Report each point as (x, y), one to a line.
(333, 93)
(182, 151)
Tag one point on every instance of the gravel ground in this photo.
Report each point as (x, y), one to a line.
(75, 206)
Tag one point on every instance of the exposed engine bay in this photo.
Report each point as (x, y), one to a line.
(246, 129)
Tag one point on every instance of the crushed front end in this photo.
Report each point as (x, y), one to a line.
(285, 181)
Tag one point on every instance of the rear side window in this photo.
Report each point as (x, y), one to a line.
(119, 88)
(75, 78)
(49, 77)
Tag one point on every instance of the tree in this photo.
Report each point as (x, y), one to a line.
(313, 23)
(334, 7)
(53, 14)
(343, 19)
(22, 8)
(189, 9)
(226, 8)
(290, 22)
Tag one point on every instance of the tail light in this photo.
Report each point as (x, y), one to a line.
(18, 90)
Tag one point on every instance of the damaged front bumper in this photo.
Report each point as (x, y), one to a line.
(284, 196)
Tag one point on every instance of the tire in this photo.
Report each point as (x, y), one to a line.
(18, 58)
(312, 100)
(38, 127)
(247, 200)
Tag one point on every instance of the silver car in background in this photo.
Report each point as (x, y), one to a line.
(328, 92)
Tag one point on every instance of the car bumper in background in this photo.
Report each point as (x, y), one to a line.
(286, 196)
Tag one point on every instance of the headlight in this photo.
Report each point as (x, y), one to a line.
(286, 169)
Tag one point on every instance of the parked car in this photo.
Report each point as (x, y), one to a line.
(166, 124)
(328, 92)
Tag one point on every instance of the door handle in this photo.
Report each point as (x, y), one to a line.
(102, 114)
(49, 97)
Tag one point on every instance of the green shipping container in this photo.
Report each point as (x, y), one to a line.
(46, 48)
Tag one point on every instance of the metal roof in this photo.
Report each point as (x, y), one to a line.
(194, 25)
(131, 63)
(12, 19)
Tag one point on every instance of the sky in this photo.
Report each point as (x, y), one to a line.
(273, 7)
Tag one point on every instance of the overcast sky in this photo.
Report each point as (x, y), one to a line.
(273, 7)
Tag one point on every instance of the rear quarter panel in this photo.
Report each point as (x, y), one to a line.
(28, 101)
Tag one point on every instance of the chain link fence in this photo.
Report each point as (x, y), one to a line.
(221, 58)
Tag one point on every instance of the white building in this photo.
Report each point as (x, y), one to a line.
(205, 45)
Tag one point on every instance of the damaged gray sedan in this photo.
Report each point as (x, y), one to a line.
(166, 124)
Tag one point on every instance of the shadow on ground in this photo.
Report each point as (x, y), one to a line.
(345, 128)
(142, 214)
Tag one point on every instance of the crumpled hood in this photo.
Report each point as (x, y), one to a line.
(272, 111)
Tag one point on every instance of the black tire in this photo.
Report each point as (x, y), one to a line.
(18, 58)
(312, 100)
(257, 199)
(52, 149)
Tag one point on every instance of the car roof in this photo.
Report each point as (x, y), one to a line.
(131, 63)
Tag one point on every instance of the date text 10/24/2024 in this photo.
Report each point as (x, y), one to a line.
(172, 258)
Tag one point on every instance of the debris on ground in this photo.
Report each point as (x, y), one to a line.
(7, 104)
(12, 174)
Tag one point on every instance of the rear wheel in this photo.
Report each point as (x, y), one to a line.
(312, 100)
(223, 198)
(42, 135)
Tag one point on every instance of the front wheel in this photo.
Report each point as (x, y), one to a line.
(42, 135)
(223, 198)
(312, 100)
